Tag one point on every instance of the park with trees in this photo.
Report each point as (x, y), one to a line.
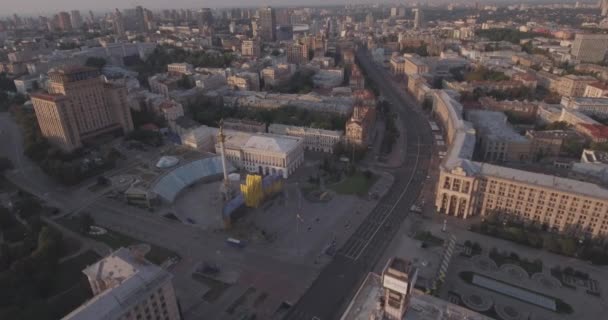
(540, 237)
(39, 279)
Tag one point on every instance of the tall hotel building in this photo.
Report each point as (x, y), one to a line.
(80, 106)
(468, 188)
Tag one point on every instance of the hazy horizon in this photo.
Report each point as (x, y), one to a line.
(35, 7)
(40, 7)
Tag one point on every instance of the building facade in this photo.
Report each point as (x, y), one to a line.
(314, 139)
(573, 85)
(251, 48)
(596, 90)
(244, 125)
(497, 140)
(80, 106)
(589, 47)
(267, 24)
(467, 188)
(180, 68)
(263, 153)
(360, 126)
(297, 53)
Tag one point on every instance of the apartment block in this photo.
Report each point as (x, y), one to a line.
(468, 188)
(589, 47)
(79, 106)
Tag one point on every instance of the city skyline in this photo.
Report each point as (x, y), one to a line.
(304, 159)
(36, 7)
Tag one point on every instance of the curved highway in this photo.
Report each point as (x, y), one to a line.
(335, 286)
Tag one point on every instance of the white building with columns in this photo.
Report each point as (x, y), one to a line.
(263, 153)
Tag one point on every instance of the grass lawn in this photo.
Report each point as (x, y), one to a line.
(356, 184)
(70, 271)
(216, 287)
(116, 240)
(68, 289)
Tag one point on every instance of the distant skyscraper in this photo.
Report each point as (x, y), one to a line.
(369, 20)
(140, 24)
(604, 7)
(235, 13)
(76, 19)
(65, 23)
(205, 17)
(119, 23)
(418, 18)
(267, 24)
(149, 20)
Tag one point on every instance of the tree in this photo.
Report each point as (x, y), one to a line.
(85, 222)
(573, 148)
(551, 244)
(5, 164)
(95, 62)
(6, 84)
(185, 83)
(568, 246)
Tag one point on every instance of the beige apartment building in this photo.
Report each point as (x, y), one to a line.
(596, 90)
(126, 286)
(180, 68)
(415, 65)
(251, 48)
(297, 53)
(398, 65)
(573, 85)
(468, 188)
(80, 106)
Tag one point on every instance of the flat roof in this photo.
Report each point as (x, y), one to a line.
(494, 125)
(272, 143)
(563, 184)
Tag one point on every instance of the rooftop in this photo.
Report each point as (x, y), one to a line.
(595, 156)
(283, 129)
(272, 143)
(47, 96)
(596, 130)
(494, 125)
(568, 185)
(551, 134)
(125, 273)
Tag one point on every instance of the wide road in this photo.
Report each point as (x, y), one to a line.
(334, 288)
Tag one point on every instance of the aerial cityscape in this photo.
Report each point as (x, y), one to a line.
(305, 160)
